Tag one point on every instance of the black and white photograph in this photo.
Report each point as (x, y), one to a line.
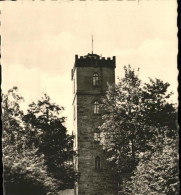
(89, 97)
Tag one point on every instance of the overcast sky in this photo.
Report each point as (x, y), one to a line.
(40, 40)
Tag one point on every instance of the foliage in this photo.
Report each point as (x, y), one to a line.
(135, 115)
(156, 173)
(26, 173)
(25, 167)
(51, 136)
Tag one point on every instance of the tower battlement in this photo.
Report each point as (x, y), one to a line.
(92, 60)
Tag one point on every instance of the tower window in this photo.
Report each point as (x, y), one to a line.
(97, 136)
(95, 79)
(96, 107)
(97, 163)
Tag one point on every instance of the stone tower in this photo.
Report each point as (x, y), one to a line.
(90, 76)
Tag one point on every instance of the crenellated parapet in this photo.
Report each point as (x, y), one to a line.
(92, 60)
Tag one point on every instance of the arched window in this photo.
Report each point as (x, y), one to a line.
(97, 163)
(96, 107)
(95, 79)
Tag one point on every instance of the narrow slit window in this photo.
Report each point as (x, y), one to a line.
(95, 79)
(96, 107)
(97, 163)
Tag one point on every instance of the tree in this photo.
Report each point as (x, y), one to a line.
(24, 169)
(135, 113)
(51, 136)
(157, 172)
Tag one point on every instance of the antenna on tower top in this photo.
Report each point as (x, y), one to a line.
(92, 44)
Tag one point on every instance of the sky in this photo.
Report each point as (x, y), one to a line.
(40, 41)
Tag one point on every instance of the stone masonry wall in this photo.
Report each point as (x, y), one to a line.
(92, 181)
